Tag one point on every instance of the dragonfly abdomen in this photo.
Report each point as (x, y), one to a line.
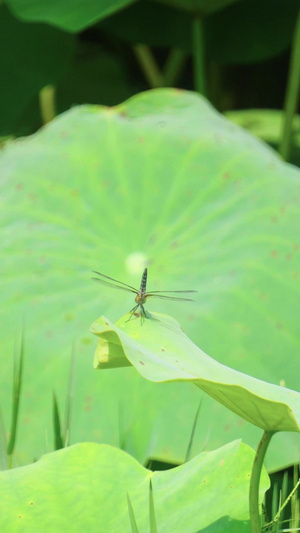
(142, 290)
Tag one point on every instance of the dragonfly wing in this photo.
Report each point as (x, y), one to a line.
(177, 299)
(115, 280)
(164, 292)
(113, 285)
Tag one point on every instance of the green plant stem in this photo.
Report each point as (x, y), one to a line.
(58, 440)
(10, 459)
(276, 517)
(149, 65)
(198, 54)
(152, 517)
(173, 66)
(190, 444)
(292, 94)
(255, 521)
(16, 394)
(3, 444)
(133, 523)
(47, 103)
(66, 430)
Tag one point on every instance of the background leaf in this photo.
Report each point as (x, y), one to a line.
(161, 180)
(26, 67)
(86, 486)
(68, 15)
(241, 32)
(267, 125)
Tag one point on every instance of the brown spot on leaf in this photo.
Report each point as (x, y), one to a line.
(274, 220)
(32, 196)
(226, 176)
(274, 253)
(289, 257)
(142, 363)
(262, 296)
(279, 325)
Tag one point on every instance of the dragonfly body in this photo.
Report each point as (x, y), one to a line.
(141, 294)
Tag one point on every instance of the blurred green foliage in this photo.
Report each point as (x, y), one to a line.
(89, 52)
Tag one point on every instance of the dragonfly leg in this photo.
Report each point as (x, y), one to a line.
(132, 312)
(143, 313)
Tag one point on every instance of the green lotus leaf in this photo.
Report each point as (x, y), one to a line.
(161, 181)
(267, 124)
(160, 351)
(68, 15)
(264, 123)
(85, 487)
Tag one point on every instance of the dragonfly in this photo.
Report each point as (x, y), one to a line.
(141, 294)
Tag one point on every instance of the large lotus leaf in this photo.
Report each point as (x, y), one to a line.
(66, 14)
(264, 123)
(85, 487)
(267, 124)
(164, 181)
(74, 16)
(160, 351)
(32, 56)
